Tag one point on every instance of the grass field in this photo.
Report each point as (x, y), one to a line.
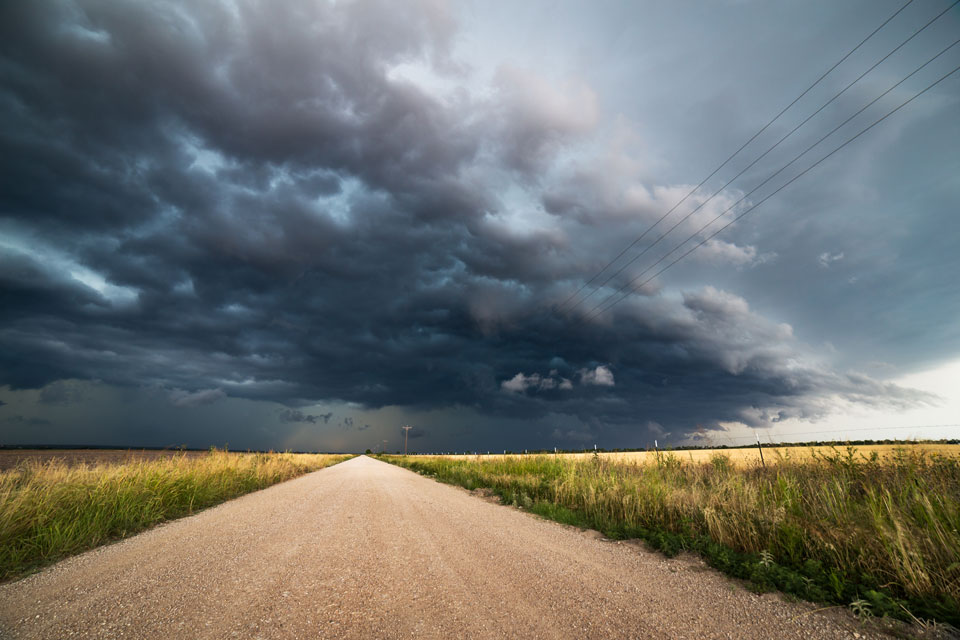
(750, 456)
(11, 458)
(874, 530)
(58, 507)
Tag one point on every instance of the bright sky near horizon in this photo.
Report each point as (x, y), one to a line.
(303, 225)
(934, 420)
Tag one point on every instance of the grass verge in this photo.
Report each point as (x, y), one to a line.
(879, 536)
(51, 510)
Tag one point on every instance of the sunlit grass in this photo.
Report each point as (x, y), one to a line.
(749, 456)
(835, 526)
(49, 510)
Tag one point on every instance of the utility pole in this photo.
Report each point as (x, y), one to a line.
(406, 432)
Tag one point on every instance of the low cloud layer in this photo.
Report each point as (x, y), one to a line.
(181, 398)
(231, 200)
(294, 415)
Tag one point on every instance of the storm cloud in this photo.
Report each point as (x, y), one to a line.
(243, 200)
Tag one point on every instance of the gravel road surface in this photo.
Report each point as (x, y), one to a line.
(367, 550)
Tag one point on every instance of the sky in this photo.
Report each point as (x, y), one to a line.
(302, 225)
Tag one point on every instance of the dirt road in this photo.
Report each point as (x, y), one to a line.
(367, 550)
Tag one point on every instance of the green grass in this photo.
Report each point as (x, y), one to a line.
(839, 529)
(52, 510)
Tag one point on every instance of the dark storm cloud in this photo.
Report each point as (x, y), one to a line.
(227, 199)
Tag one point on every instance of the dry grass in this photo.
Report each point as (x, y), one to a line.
(749, 457)
(12, 458)
(52, 509)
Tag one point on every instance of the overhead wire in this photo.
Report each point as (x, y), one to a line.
(735, 153)
(600, 308)
(751, 165)
(797, 157)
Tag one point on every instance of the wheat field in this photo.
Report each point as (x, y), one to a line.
(745, 457)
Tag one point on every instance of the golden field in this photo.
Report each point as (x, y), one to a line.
(748, 457)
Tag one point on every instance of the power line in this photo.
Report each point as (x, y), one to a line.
(733, 155)
(751, 208)
(593, 312)
(797, 157)
(755, 161)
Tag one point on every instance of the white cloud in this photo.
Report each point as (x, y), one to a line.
(601, 376)
(826, 258)
(559, 108)
(520, 382)
(533, 117)
(720, 251)
(726, 331)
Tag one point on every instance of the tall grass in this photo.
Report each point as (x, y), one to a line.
(51, 510)
(837, 528)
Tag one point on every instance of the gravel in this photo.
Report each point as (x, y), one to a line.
(368, 550)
